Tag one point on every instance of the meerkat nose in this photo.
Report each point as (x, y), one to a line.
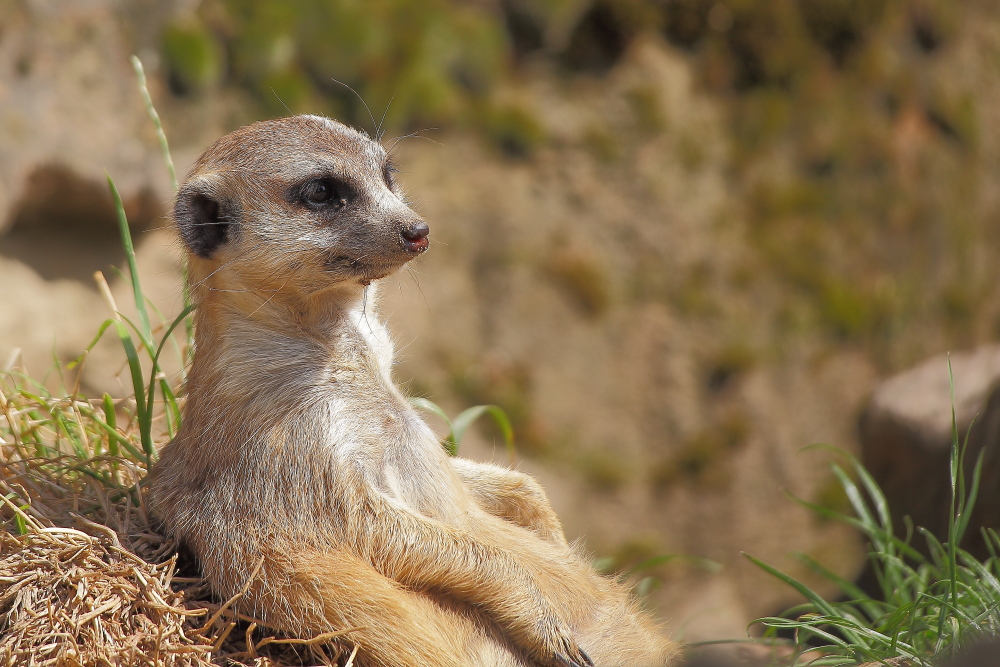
(415, 237)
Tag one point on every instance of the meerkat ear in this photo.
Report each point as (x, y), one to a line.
(203, 219)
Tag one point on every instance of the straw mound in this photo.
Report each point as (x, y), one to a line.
(86, 579)
(72, 599)
(103, 596)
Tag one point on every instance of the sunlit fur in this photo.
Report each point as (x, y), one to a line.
(298, 451)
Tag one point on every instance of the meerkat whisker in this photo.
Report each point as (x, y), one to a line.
(358, 95)
(281, 101)
(412, 273)
(378, 130)
(415, 135)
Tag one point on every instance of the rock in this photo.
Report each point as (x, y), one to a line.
(70, 107)
(70, 110)
(906, 438)
(983, 654)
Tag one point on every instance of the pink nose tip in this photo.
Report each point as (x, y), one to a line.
(415, 237)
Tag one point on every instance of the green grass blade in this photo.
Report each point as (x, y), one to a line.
(982, 573)
(135, 368)
(656, 561)
(874, 493)
(147, 346)
(20, 524)
(992, 540)
(161, 136)
(817, 600)
(120, 439)
(650, 563)
(430, 406)
(172, 412)
(140, 75)
(938, 550)
(33, 396)
(100, 333)
(862, 527)
(965, 514)
(872, 608)
(170, 329)
(956, 461)
(468, 416)
(111, 422)
(857, 500)
(140, 300)
(154, 371)
(828, 513)
(808, 627)
(69, 429)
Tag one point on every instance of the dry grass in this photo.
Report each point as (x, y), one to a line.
(73, 599)
(85, 578)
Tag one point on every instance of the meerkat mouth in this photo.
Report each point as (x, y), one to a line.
(361, 268)
(416, 246)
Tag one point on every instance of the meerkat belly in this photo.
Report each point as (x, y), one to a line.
(414, 474)
(397, 454)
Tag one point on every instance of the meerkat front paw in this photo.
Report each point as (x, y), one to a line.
(553, 645)
(573, 656)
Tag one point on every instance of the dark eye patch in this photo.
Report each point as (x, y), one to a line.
(323, 192)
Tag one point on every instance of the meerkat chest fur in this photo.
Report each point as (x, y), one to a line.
(323, 395)
(368, 426)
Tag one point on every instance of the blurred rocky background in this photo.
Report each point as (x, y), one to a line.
(677, 240)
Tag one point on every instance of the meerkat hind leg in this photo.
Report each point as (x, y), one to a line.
(511, 495)
(627, 637)
(313, 592)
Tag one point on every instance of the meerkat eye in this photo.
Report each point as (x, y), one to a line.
(320, 191)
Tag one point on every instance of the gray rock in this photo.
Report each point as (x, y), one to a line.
(906, 438)
(983, 654)
(69, 101)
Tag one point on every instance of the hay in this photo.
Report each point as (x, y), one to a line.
(72, 599)
(86, 579)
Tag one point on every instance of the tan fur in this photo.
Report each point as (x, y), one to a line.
(298, 450)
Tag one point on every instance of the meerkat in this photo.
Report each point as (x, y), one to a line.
(301, 467)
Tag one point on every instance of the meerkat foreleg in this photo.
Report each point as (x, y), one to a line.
(512, 496)
(433, 557)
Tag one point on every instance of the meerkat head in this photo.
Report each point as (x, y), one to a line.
(301, 204)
